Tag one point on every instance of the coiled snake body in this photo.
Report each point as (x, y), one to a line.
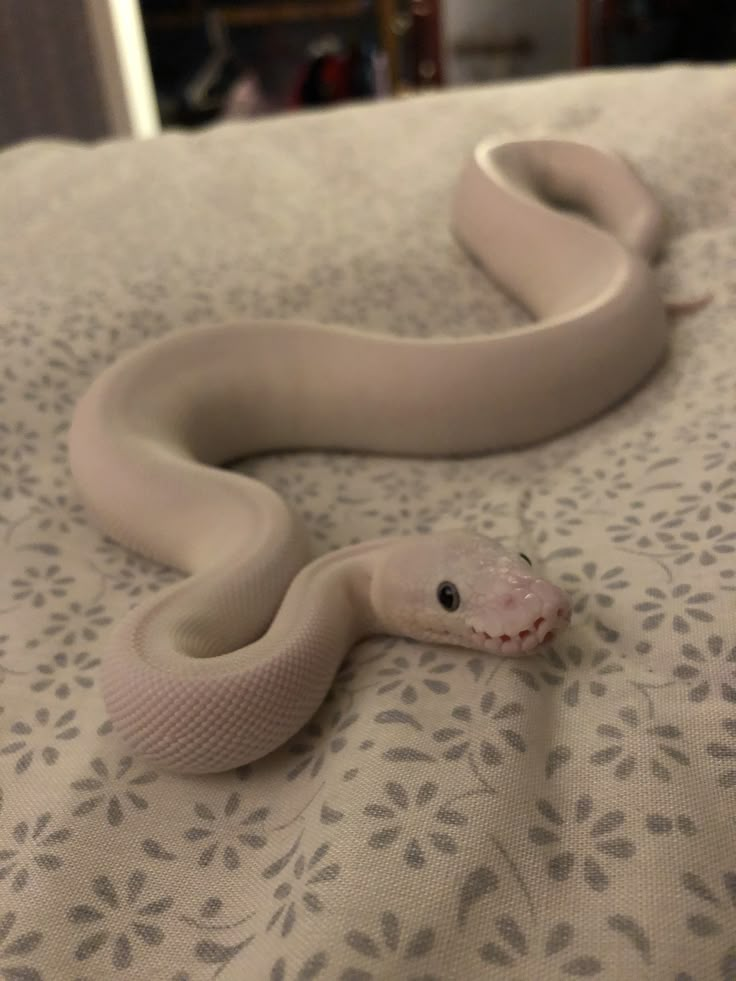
(224, 666)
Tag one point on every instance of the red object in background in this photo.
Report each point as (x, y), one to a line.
(334, 78)
(588, 51)
(322, 81)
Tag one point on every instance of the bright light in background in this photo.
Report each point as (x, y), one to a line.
(135, 67)
(125, 65)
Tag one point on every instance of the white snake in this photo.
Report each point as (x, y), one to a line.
(227, 664)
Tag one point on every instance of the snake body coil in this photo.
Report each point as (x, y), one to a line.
(224, 666)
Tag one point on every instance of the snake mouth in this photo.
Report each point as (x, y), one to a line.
(542, 631)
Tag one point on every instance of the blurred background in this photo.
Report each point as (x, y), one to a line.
(91, 69)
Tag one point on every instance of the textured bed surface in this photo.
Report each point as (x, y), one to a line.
(444, 816)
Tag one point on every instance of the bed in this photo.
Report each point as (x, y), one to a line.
(444, 816)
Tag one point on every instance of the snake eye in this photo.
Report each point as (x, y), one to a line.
(525, 558)
(448, 596)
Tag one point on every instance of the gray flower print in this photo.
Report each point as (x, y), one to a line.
(316, 742)
(716, 458)
(18, 444)
(390, 950)
(477, 884)
(63, 673)
(704, 546)
(313, 967)
(78, 624)
(591, 860)
(224, 833)
(14, 948)
(592, 595)
(594, 587)
(299, 487)
(132, 574)
(119, 919)
(572, 673)
(599, 483)
(37, 739)
(58, 515)
(466, 504)
(728, 580)
(215, 926)
(693, 671)
(689, 607)
(646, 531)
(112, 791)
(5, 669)
(563, 521)
(712, 501)
(511, 945)
(38, 584)
(408, 824)
(31, 846)
(427, 672)
(136, 583)
(67, 360)
(320, 524)
(17, 480)
(711, 921)
(668, 824)
(724, 753)
(635, 744)
(485, 734)
(303, 889)
(47, 395)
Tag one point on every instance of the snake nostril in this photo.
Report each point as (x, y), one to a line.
(538, 623)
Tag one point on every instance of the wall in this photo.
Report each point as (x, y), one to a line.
(49, 83)
(76, 69)
(549, 24)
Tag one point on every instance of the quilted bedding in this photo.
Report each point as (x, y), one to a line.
(445, 816)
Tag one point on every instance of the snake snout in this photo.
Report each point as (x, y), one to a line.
(555, 615)
(526, 615)
(554, 618)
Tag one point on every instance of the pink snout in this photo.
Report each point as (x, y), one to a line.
(529, 619)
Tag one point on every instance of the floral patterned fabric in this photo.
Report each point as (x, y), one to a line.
(445, 816)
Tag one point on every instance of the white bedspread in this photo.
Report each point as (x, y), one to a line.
(445, 816)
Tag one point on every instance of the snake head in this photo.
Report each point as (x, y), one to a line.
(463, 589)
